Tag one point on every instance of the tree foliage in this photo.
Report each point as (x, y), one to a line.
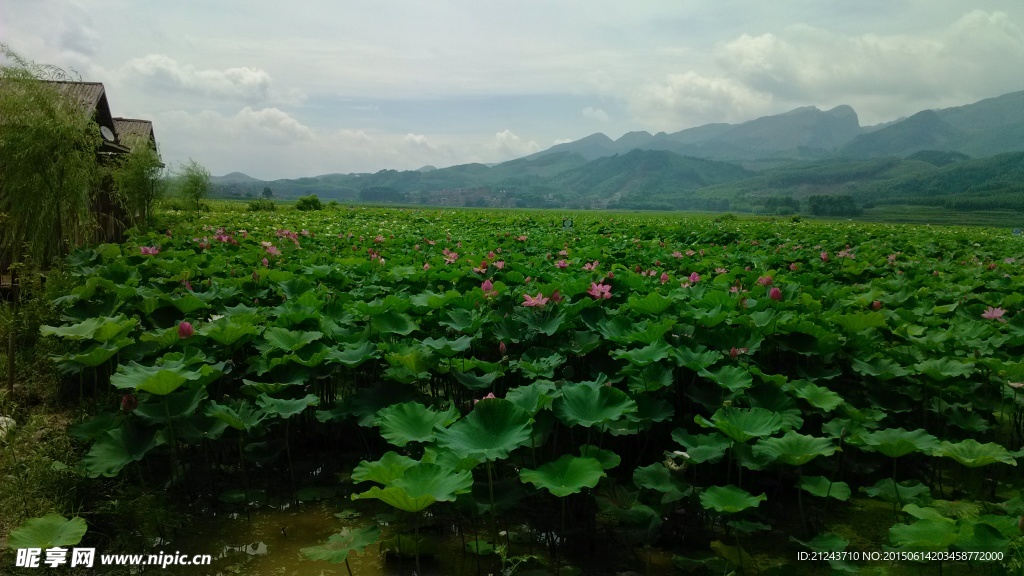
(138, 182)
(193, 183)
(48, 165)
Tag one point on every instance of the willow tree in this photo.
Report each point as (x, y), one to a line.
(138, 182)
(48, 165)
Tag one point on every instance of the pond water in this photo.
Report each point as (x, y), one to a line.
(270, 540)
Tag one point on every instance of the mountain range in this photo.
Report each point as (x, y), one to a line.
(799, 153)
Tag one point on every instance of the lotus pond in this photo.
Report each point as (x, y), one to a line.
(467, 392)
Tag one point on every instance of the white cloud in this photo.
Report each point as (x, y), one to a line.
(420, 141)
(508, 145)
(558, 141)
(165, 72)
(691, 99)
(595, 114)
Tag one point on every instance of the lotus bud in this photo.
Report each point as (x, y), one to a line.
(501, 348)
(775, 294)
(185, 330)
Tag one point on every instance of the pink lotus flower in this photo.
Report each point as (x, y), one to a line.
(694, 278)
(994, 314)
(561, 264)
(664, 277)
(590, 266)
(794, 266)
(426, 266)
(489, 395)
(501, 348)
(185, 330)
(765, 281)
(734, 352)
(677, 254)
(824, 256)
(690, 252)
(500, 264)
(451, 257)
(488, 287)
(600, 291)
(266, 263)
(481, 268)
(149, 250)
(721, 271)
(775, 294)
(556, 297)
(537, 301)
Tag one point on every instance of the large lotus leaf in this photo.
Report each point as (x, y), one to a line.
(420, 486)
(354, 354)
(659, 350)
(650, 378)
(440, 483)
(463, 320)
(650, 305)
(944, 368)
(729, 499)
(491, 431)
(446, 347)
(732, 378)
(543, 322)
(884, 489)
(660, 479)
(896, 442)
(392, 322)
(794, 448)
(446, 458)
(278, 338)
(390, 467)
(567, 475)
(415, 358)
(474, 382)
(931, 534)
(115, 449)
(974, 454)
(72, 363)
(538, 363)
(817, 396)
(823, 488)
(187, 303)
(702, 447)
(696, 359)
(176, 405)
(533, 397)
(365, 403)
(981, 536)
(101, 329)
(285, 409)
(586, 405)
(50, 531)
(742, 424)
(227, 331)
(650, 409)
(241, 416)
(412, 422)
(824, 542)
(607, 458)
(94, 427)
(169, 374)
(340, 545)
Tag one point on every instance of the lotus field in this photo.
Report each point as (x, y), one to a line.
(732, 392)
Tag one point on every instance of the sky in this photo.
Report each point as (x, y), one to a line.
(289, 89)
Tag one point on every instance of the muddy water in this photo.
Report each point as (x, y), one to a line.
(270, 543)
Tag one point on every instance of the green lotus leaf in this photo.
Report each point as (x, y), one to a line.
(817, 396)
(50, 531)
(474, 382)
(448, 348)
(567, 475)
(732, 378)
(650, 409)
(660, 479)
(462, 320)
(794, 448)
(650, 305)
(101, 329)
(278, 338)
(659, 350)
(981, 536)
(479, 547)
(115, 449)
(338, 546)
(493, 429)
(182, 403)
(389, 468)
(924, 534)
(729, 499)
(742, 424)
(860, 321)
(537, 363)
(607, 458)
(392, 322)
(916, 493)
(95, 355)
(974, 454)
(285, 409)
(355, 354)
(650, 378)
(697, 359)
(187, 303)
(94, 427)
(440, 483)
(586, 404)
(240, 416)
(412, 422)
(365, 404)
(944, 368)
(702, 447)
(228, 332)
(615, 329)
(825, 542)
(542, 322)
(169, 374)
(446, 458)
(823, 488)
(896, 442)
